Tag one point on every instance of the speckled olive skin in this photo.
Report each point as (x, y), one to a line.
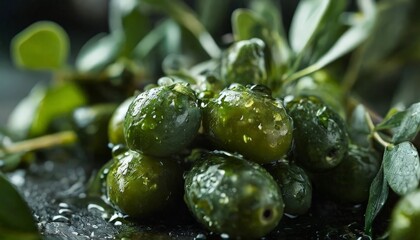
(163, 120)
(116, 123)
(351, 179)
(295, 186)
(405, 221)
(248, 121)
(231, 195)
(320, 135)
(140, 185)
(244, 63)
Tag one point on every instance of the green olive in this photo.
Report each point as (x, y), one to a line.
(228, 194)
(162, 121)
(250, 122)
(296, 188)
(244, 63)
(140, 185)
(116, 124)
(320, 135)
(351, 179)
(405, 222)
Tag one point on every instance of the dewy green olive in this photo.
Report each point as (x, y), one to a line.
(320, 135)
(244, 63)
(405, 223)
(230, 195)
(140, 185)
(296, 188)
(250, 122)
(351, 179)
(116, 124)
(163, 120)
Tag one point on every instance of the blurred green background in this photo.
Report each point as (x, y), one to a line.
(82, 19)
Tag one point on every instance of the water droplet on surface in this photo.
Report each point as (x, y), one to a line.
(246, 138)
(60, 218)
(249, 103)
(92, 206)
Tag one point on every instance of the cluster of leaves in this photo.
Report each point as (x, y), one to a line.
(136, 50)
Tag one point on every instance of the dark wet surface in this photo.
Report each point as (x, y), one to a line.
(56, 191)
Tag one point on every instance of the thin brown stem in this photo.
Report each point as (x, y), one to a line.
(47, 141)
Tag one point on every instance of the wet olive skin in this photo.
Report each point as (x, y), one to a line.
(140, 185)
(116, 123)
(295, 186)
(163, 120)
(405, 221)
(244, 63)
(230, 195)
(248, 121)
(350, 181)
(320, 135)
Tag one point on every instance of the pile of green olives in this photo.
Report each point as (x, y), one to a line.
(238, 156)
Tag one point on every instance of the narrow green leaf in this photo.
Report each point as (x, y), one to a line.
(271, 14)
(347, 42)
(185, 16)
(16, 220)
(385, 38)
(41, 46)
(34, 114)
(208, 9)
(151, 40)
(378, 194)
(11, 161)
(306, 21)
(20, 120)
(99, 52)
(409, 126)
(359, 127)
(392, 119)
(351, 39)
(126, 16)
(59, 101)
(406, 124)
(247, 25)
(402, 167)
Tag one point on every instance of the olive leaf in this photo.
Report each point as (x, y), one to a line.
(332, 28)
(378, 194)
(354, 36)
(100, 51)
(347, 42)
(20, 120)
(359, 128)
(406, 124)
(185, 16)
(151, 40)
(271, 14)
(306, 21)
(10, 162)
(385, 38)
(208, 9)
(43, 45)
(402, 167)
(391, 120)
(126, 16)
(246, 25)
(16, 220)
(35, 113)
